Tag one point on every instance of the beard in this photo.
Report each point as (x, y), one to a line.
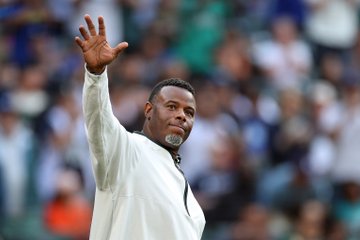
(174, 139)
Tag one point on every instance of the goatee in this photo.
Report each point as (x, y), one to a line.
(174, 139)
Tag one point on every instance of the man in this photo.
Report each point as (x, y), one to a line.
(141, 192)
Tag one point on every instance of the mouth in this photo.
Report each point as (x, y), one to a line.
(178, 128)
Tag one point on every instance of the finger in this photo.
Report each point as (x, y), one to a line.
(101, 26)
(90, 25)
(84, 33)
(79, 42)
(120, 47)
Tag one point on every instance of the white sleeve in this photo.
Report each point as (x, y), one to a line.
(112, 151)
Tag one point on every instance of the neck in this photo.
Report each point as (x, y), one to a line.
(147, 133)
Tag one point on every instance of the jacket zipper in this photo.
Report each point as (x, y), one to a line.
(186, 189)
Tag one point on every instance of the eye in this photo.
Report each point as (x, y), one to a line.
(171, 106)
(189, 113)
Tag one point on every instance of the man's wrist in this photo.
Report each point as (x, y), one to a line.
(95, 71)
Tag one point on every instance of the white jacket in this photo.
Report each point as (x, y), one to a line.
(140, 192)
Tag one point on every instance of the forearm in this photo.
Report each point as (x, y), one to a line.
(97, 109)
(102, 127)
(112, 151)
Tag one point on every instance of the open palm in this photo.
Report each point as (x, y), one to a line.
(96, 50)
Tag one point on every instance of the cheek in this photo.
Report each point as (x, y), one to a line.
(189, 126)
(160, 123)
(190, 122)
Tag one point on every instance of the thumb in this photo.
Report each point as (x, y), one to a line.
(120, 47)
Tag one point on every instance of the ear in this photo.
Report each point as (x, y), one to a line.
(148, 110)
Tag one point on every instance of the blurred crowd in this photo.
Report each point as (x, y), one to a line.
(275, 149)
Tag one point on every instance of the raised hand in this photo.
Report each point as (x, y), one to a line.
(96, 50)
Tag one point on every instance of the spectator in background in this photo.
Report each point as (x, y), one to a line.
(66, 144)
(167, 22)
(69, 213)
(291, 133)
(309, 222)
(127, 103)
(25, 21)
(229, 183)
(331, 69)
(293, 194)
(289, 138)
(347, 207)
(253, 222)
(335, 229)
(256, 127)
(285, 59)
(138, 18)
(347, 131)
(332, 26)
(294, 9)
(29, 97)
(155, 52)
(128, 90)
(232, 60)
(16, 144)
(325, 113)
(202, 29)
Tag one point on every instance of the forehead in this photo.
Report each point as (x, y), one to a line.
(177, 94)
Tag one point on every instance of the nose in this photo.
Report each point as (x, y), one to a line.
(180, 115)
